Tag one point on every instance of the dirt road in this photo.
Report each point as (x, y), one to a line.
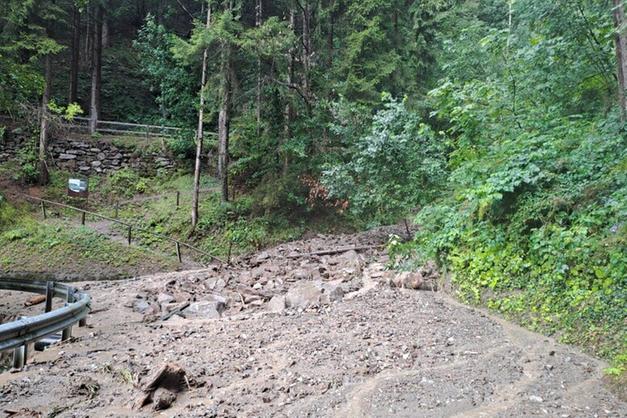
(296, 332)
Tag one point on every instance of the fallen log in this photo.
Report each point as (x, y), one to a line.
(337, 251)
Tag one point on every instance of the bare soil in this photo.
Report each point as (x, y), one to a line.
(292, 331)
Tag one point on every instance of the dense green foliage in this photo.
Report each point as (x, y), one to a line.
(532, 220)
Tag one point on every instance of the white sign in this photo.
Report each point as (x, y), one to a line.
(77, 185)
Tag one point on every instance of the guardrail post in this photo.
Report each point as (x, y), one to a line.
(178, 251)
(83, 218)
(66, 334)
(43, 209)
(178, 199)
(19, 357)
(49, 296)
(129, 235)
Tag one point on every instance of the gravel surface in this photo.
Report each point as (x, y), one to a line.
(290, 333)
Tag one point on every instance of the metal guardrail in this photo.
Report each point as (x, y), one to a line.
(17, 335)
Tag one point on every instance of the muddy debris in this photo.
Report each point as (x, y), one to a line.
(339, 341)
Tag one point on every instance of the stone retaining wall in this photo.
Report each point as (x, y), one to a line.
(90, 156)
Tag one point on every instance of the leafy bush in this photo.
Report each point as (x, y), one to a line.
(397, 166)
(27, 160)
(124, 183)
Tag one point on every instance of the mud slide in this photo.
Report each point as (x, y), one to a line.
(300, 331)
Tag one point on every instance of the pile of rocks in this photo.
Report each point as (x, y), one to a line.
(287, 279)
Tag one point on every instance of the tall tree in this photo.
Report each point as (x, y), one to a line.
(44, 176)
(620, 42)
(76, 39)
(96, 69)
(199, 128)
(224, 116)
(258, 22)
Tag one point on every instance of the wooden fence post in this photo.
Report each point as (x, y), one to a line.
(43, 209)
(178, 252)
(129, 235)
(83, 218)
(178, 199)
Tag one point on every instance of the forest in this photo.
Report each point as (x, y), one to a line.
(493, 130)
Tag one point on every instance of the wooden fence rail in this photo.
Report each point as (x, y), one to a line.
(127, 128)
(178, 244)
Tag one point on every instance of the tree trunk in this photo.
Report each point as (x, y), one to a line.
(620, 41)
(89, 38)
(306, 56)
(199, 129)
(330, 34)
(288, 117)
(94, 107)
(44, 177)
(76, 40)
(258, 21)
(224, 122)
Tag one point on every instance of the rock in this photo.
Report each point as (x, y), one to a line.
(141, 306)
(170, 376)
(162, 399)
(298, 275)
(67, 156)
(162, 386)
(534, 398)
(313, 293)
(418, 280)
(205, 309)
(164, 298)
(277, 304)
(303, 295)
(331, 293)
(96, 163)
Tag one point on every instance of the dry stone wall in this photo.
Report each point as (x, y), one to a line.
(90, 156)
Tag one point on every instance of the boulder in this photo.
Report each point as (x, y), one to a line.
(164, 298)
(277, 304)
(206, 309)
(312, 293)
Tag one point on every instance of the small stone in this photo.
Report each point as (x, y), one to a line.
(534, 398)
